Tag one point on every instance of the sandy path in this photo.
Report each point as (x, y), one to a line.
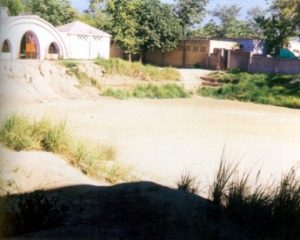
(164, 138)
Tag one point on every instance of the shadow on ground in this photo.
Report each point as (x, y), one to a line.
(141, 210)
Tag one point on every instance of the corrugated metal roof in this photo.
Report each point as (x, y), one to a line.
(81, 28)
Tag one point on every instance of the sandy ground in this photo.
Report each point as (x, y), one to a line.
(162, 139)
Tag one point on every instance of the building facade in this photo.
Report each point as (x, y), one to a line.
(31, 37)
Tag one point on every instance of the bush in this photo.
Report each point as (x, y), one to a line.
(138, 70)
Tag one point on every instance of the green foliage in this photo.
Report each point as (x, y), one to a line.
(279, 90)
(98, 19)
(15, 7)
(165, 91)
(124, 24)
(190, 12)
(142, 25)
(57, 12)
(281, 24)
(225, 23)
(158, 26)
(159, 91)
(138, 70)
(118, 93)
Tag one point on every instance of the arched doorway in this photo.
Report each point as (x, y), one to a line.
(53, 48)
(6, 47)
(29, 46)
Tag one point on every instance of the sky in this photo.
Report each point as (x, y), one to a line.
(244, 4)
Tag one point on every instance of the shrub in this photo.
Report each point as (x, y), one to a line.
(138, 70)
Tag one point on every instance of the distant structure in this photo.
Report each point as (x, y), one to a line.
(31, 37)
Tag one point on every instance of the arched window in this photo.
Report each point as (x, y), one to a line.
(29, 46)
(5, 47)
(53, 48)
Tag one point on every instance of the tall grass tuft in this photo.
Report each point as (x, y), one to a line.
(220, 184)
(187, 183)
(56, 138)
(20, 133)
(263, 211)
(116, 66)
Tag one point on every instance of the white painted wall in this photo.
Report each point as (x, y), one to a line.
(70, 45)
(87, 46)
(221, 44)
(14, 28)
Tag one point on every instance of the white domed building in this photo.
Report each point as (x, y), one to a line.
(31, 37)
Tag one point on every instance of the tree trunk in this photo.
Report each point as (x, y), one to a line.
(129, 57)
(184, 47)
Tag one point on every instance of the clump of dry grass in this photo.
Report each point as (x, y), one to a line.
(188, 183)
(20, 133)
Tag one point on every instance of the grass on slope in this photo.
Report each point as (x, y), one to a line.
(83, 78)
(165, 91)
(138, 70)
(21, 133)
(278, 90)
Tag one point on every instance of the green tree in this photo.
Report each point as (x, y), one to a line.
(57, 12)
(283, 23)
(229, 24)
(190, 12)
(124, 24)
(15, 7)
(142, 25)
(158, 27)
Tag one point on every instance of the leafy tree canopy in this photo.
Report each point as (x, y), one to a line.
(225, 23)
(57, 12)
(283, 23)
(190, 12)
(15, 7)
(142, 25)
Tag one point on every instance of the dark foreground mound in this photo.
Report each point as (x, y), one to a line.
(141, 210)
